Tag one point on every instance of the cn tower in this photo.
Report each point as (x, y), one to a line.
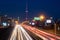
(26, 11)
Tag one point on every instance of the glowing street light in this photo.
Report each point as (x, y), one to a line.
(42, 17)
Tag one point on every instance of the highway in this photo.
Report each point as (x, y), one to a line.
(25, 32)
(19, 34)
(14, 33)
(41, 34)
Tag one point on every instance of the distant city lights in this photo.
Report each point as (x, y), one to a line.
(4, 24)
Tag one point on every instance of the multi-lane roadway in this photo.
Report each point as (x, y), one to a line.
(41, 34)
(20, 34)
(15, 33)
(25, 32)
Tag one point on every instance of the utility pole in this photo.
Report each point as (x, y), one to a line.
(55, 29)
(26, 10)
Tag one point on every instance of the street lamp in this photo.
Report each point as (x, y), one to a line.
(42, 17)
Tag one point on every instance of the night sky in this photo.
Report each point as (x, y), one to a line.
(17, 8)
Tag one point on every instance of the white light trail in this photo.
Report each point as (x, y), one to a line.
(19, 34)
(26, 34)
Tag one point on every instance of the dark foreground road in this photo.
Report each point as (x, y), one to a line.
(5, 33)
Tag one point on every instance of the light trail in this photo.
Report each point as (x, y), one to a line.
(26, 34)
(20, 34)
(41, 33)
(34, 32)
(13, 37)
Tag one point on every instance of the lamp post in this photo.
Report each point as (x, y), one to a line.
(54, 25)
(54, 28)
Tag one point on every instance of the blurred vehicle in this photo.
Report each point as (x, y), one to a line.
(37, 23)
(32, 23)
(46, 24)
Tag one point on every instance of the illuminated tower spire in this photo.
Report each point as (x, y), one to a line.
(26, 10)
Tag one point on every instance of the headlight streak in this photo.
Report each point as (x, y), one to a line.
(38, 32)
(18, 33)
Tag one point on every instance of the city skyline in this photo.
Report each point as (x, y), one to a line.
(18, 7)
